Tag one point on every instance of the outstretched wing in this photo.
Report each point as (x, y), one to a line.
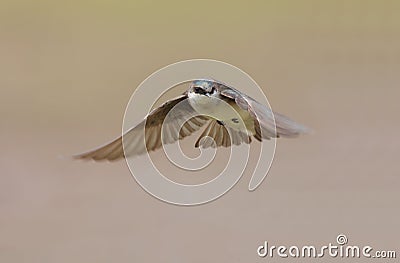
(146, 136)
(264, 125)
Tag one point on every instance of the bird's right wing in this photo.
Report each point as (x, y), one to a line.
(146, 136)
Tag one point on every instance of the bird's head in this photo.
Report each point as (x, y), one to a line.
(203, 87)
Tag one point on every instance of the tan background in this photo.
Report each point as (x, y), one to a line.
(68, 69)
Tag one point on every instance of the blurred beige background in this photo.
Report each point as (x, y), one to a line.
(68, 69)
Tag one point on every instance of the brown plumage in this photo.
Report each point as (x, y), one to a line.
(257, 119)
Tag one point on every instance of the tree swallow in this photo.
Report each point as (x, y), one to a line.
(207, 101)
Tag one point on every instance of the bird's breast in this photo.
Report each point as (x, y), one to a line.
(225, 111)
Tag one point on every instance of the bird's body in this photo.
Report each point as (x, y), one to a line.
(217, 107)
(232, 118)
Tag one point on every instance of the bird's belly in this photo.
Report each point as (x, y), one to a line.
(229, 114)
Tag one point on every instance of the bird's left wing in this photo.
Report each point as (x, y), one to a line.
(267, 124)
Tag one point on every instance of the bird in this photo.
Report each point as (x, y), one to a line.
(230, 116)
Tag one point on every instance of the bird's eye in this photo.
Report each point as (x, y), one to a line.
(198, 90)
(213, 90)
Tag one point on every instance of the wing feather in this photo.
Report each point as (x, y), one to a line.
(222, 135)
(146, 136)
(267, 123)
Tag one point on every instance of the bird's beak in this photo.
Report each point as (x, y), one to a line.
(200, 91)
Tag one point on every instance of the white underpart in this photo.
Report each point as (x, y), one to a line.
(221, 110)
